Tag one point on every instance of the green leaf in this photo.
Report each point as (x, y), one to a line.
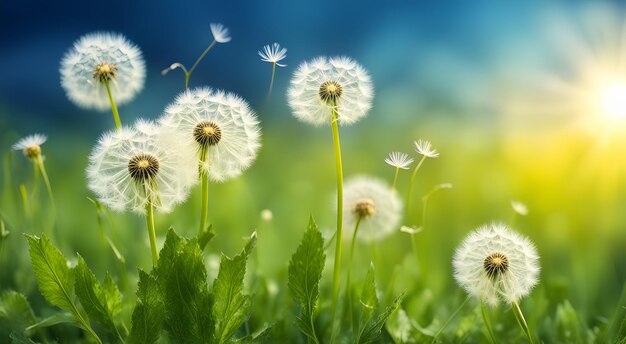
(260, 336)
(57, 318)
(182, 279)
(101, 302)
(15, 314)
(231, 305)
(368, 300)
(149, 313)
(205, 237)
(373, 330)
(305, 273)
(55, 278)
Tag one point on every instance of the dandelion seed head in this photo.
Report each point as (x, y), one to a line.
(132, 165)
(31, 145)
(375, 204)
(325, 84)
(218, 123)
(97, 57)
(220, 33)
(425, 148)
(399, 160)
(494, 263)
(273, 54)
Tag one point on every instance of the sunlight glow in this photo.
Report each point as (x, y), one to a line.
(613, 101)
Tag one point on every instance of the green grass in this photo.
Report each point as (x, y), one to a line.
(575, 193)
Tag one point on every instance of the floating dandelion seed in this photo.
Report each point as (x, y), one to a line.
(273, 54)
(31, 145)
(220, 33)
(519, 208)
(425, 148)
(100, 67)
(325, 84)
(267, 215)
(218, 130)
(399, 160)
(495, 263)
(371, 201)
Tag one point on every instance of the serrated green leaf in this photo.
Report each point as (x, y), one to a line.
(182, 279)
(305, 273)
(205, 237)
(100, 302)
(149, 313)
(15, 314)
(55, 278)
(368, 300)
(231, 305)
(373, 330)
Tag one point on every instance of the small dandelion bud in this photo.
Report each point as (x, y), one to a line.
(373, 202)
(495, 263)
(31, 145)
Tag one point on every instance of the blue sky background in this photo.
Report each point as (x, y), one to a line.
(427, 58)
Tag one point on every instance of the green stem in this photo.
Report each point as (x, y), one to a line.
(269, 94)
(339, 240)
(408, 195)
(152, 232)
(519, 316)
(204, 210)
(46, 181)
(395, 178)
(116, 115)
(487, 322)
(188, 74)
(415, 250)
(452, 316)
(27, 211)
(350, 310)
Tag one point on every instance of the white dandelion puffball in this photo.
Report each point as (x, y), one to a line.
(324, 84)
(495, 263)
(102, 55)
(131, 166)
(31, 145)
(375, 203)
(399, 160)
(218, 124)
(273, 54)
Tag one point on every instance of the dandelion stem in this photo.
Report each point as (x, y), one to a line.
(188, 74)
(452, 316)
(415, 250)
(487, 322)
(27, 210)
(152, 232)
(350, 310)
(337, 265)
(46, 180)
(116, 115)
(519, 316)
(269, 94)
(408, 195)
(205, 192)
(395, 178)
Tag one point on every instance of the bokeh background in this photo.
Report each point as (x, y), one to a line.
(524, 100)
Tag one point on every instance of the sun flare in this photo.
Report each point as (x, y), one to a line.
(612, 99)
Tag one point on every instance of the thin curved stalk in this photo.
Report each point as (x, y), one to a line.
(411, 182)
(116, 114)
(487, 322)
(195, 64)
(269, 94)
(519, 316)
(152, 232)
(338, 239)
(452, 316)
(204, 210)
(395, 178)
(350, 310)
